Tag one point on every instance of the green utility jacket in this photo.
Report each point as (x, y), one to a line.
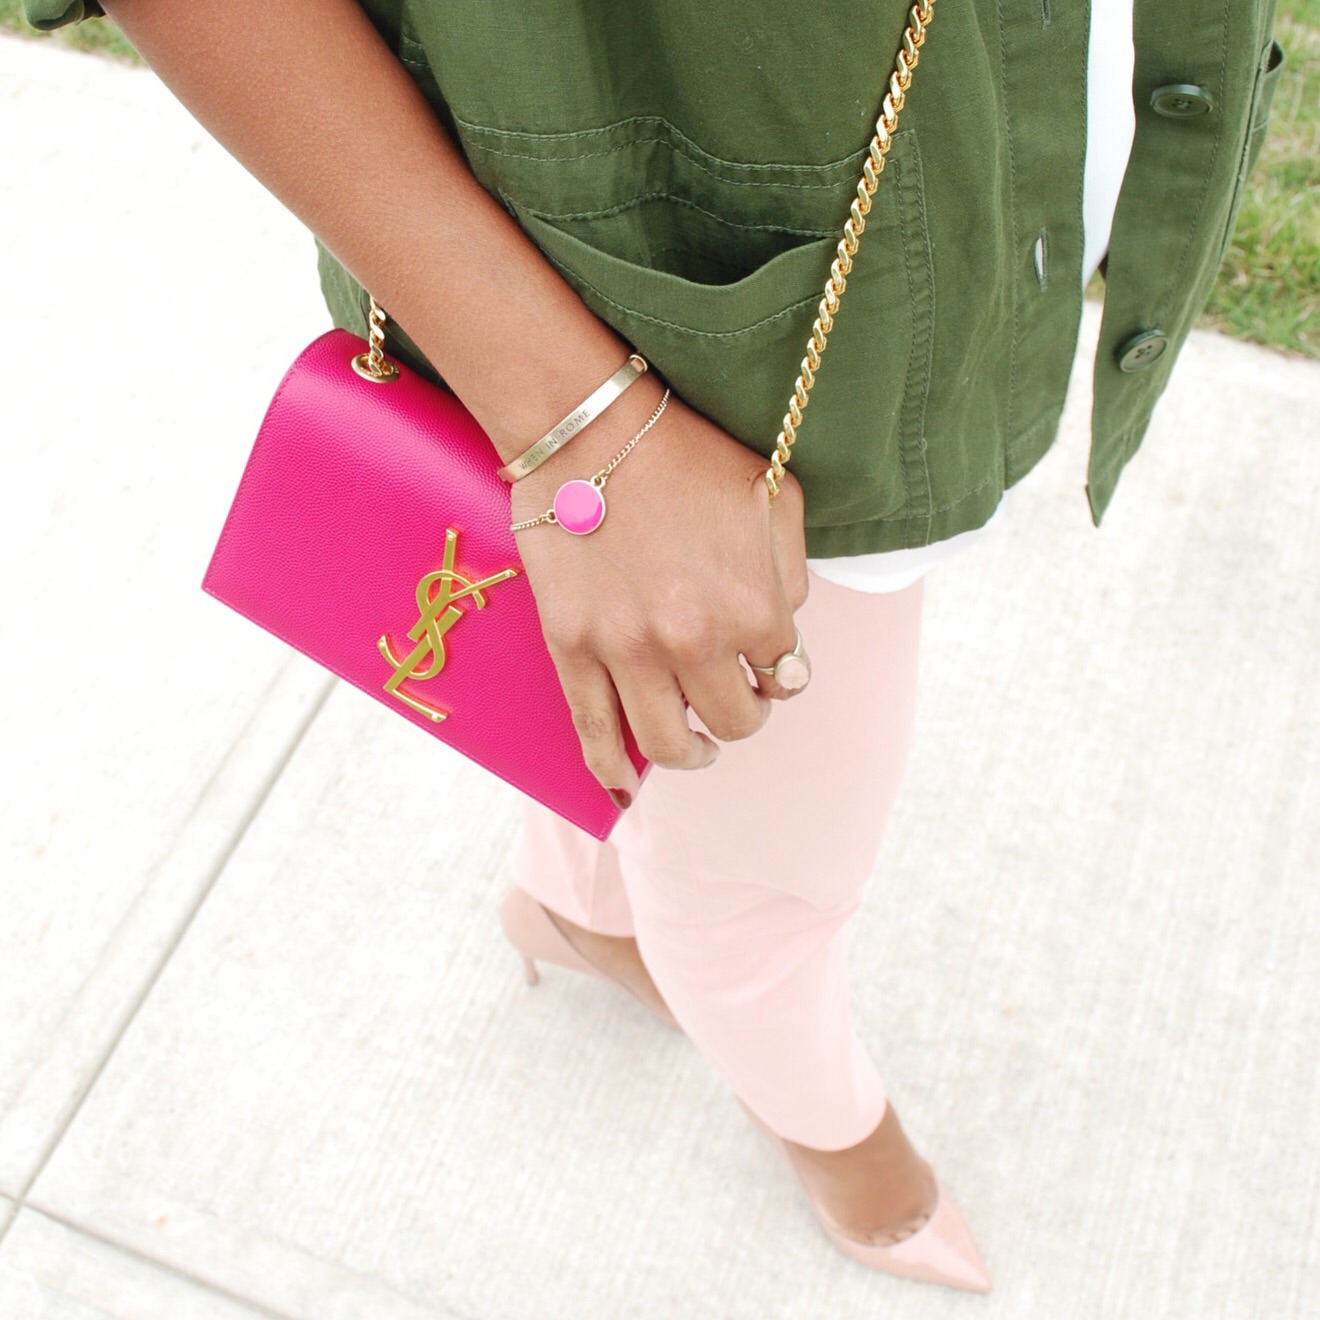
(688, 165)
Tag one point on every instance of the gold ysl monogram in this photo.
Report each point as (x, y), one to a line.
(437, 616)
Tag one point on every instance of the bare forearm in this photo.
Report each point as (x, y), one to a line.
(306, 95)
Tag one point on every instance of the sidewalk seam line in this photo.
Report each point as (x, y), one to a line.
(164, 1266)
(167, 954)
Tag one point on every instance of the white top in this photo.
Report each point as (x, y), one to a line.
(1110, 124)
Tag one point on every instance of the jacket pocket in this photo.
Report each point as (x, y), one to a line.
(723, 308)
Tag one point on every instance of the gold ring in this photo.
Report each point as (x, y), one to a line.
(792, 671)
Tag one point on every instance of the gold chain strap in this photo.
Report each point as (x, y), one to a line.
(914, 37)
(373, 364)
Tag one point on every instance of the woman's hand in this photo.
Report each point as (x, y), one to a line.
(693, 565)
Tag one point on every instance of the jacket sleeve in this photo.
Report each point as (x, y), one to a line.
(48, 14)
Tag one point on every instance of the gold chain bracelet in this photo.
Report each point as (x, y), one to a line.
(914, 37)
(579, 505)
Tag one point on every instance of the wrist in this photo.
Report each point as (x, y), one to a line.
(595, 444)
(565, 430)
(531, 396)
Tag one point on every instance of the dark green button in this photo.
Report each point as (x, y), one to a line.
(1181, 101)
(1142, 350)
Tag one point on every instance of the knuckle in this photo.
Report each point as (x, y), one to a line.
(737, 727)
(633, 647)
(768, 624)
(626, 642)
(691, 640)
(663, 750)
(592, 723)
(684, 627)
(567, 635)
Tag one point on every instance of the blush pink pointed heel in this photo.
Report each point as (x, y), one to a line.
(940, 1251)
(528, 927)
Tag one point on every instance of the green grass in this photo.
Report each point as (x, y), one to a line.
(1269, 288)
(99, 35)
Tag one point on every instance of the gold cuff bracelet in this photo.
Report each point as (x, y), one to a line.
(586, 412)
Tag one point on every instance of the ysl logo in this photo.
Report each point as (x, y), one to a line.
(437, 615)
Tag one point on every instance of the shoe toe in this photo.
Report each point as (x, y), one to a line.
(942, 1251)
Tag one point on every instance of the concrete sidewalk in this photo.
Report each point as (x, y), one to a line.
(263, 1052)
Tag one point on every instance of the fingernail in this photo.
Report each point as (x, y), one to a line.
(620, 797)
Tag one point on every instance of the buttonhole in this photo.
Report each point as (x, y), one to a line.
(1040, 259)
(1045, 13)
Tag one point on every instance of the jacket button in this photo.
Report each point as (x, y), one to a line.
(1181, 101)
(1142, 350)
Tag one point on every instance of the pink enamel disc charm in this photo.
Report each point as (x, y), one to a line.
(579, 507)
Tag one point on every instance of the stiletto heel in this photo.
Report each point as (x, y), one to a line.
(940, 1251)
(529, 928)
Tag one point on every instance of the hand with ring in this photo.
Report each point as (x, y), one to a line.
(695, 571)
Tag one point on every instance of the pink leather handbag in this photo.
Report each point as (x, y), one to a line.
(371, 532)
